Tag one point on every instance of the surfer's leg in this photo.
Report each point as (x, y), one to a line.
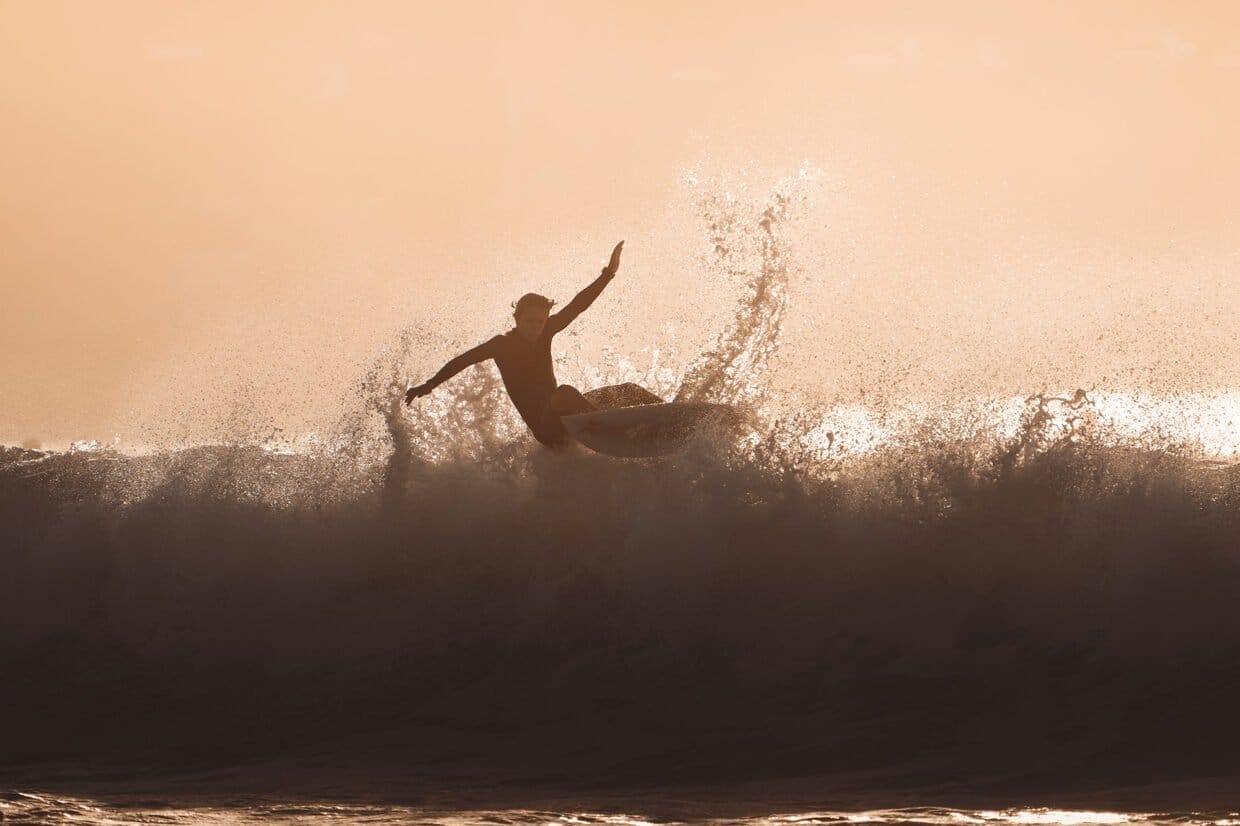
(567, 400)
(621, 395)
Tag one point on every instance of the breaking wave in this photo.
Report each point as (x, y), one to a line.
(1030, 596)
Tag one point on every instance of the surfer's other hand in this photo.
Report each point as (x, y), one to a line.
(614, 263)
(416, 392)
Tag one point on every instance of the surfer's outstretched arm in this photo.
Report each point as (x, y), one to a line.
(586, 297)
(470, 357)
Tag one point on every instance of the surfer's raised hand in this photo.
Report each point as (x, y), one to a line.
(614, 263)
(416, 392)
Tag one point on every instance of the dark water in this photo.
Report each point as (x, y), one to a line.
(1055, 626)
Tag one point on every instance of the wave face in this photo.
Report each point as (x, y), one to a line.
(1024, 597)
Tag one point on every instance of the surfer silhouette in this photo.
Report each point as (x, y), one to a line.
(523, 356)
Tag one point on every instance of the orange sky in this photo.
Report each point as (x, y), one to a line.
(296, 180)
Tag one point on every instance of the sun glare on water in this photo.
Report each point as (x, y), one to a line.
(24, 807)
(1208, 424)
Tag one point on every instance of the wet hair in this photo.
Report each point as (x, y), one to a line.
(529, 300)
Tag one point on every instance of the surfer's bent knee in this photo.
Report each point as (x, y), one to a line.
(566, 398)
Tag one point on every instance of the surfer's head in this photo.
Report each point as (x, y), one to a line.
(530, 312)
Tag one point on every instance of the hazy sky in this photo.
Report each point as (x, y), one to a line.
(296, 180)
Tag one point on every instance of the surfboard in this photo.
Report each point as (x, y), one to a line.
(643, 430)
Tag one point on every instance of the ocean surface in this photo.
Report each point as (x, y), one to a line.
(1022, 609)
(36, 808)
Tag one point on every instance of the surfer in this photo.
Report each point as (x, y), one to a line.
(523, 356)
